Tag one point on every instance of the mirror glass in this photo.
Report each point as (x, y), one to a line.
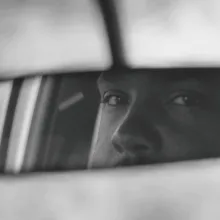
(131, 118)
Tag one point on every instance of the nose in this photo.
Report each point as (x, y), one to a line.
(137, 137)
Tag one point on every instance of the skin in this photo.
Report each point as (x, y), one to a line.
(156, 117)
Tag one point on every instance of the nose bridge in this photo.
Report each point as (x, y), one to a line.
(135, 130)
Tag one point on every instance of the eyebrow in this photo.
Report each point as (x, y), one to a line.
(112, 77)
(164, 75)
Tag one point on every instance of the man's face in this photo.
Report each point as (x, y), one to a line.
(152, 117)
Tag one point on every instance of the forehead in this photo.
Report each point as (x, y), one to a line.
(161, 75)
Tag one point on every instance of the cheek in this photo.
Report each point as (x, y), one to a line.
(107, 126)
(180, 115)
(175, 144)
(191, 136)
(102, 148)
(209, 130)
(109, 121)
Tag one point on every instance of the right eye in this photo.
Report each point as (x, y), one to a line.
(113, 99)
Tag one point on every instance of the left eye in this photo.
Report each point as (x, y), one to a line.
(114, 100)
(187, 100)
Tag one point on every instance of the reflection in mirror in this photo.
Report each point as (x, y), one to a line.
(138, 117)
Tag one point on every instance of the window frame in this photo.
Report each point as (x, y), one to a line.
(22, 118)
(35, 157)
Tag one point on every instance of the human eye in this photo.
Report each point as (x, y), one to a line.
(188, 99)
(114, 98)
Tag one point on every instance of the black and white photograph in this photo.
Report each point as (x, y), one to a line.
(110, 109)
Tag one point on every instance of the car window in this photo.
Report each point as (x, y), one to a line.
(72, 124)
(9, 92)
(21, 123)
